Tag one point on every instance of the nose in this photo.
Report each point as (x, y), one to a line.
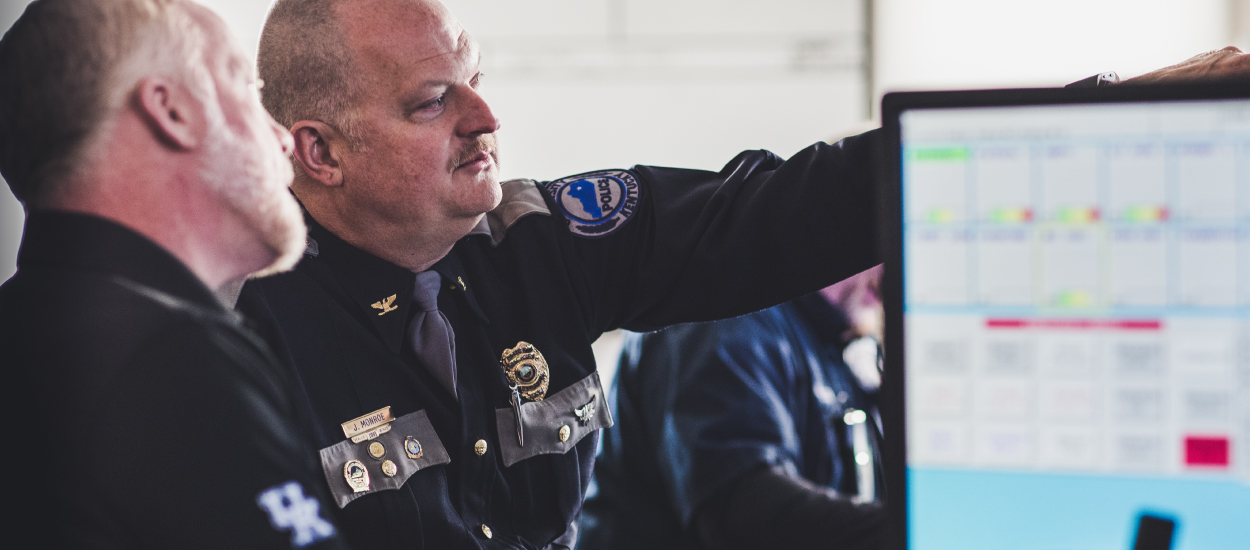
(284, 136)
(478, 118)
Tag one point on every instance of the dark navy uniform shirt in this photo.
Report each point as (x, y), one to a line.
(555, 265)
(701, 406)
(142, 413)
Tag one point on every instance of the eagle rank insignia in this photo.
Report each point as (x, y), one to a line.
(587, 411)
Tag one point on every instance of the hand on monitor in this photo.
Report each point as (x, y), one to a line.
(1223, 65)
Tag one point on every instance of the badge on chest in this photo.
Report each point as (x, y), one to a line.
(526, 370)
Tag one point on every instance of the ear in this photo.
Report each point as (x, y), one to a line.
(318, 148)
(173, 114)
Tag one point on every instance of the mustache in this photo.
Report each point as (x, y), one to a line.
(483, 143)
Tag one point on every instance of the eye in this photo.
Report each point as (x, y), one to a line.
(477, 80)
(433, 105)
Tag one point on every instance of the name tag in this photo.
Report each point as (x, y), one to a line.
(368, 426)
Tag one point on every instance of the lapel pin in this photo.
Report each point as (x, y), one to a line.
(385, 305)
(412, 448)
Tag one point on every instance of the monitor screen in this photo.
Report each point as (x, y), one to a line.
(1076, 302)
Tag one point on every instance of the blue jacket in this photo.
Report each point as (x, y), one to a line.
(700, 406)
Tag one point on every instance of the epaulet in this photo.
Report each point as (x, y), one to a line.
(521, 197)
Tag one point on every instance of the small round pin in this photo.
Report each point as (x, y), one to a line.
(377, 450)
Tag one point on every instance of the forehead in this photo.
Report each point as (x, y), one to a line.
(221, 49)
(403, 38)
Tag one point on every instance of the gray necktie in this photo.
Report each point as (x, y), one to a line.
(431, 334)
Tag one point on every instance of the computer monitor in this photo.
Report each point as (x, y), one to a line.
(1068, 318)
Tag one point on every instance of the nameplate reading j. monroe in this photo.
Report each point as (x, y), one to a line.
(369, 426)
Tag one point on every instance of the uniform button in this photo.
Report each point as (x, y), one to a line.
(480, 449)
(564, 432)
(389, 468)
(486, 531)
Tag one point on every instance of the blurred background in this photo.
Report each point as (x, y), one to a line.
(588, 84)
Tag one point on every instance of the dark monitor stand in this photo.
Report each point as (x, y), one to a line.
(1154, 533)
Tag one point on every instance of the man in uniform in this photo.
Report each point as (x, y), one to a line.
(143, 414)
(441, 323)
(753, 432)
(475, 328)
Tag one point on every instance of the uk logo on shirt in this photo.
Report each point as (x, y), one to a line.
(290, 510)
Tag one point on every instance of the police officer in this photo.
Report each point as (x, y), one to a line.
(485, 436)
(753, 432)
(141, 412)
(440, 322)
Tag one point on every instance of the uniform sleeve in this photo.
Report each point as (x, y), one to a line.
(705, 245)
(731, 408)
(214, 459)
(771, 509)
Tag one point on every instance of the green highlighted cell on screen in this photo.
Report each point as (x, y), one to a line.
(1011, 215)
(1077, 215)
(1073, 298)
(940, 154)
(940, 215)
(1145, 214)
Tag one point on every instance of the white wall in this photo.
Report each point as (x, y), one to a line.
(587, 84)
(932, 44)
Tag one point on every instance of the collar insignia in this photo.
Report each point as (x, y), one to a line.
(386, 305)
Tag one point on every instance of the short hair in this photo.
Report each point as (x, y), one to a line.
(67, 65)
(307, 66)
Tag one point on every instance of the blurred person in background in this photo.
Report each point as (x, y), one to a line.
(754, 432)
(151, 175)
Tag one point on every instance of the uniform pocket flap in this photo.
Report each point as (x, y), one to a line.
(354, 470)
(555, 424)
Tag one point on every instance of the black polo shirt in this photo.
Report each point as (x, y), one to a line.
(142, 413)
(555, 265)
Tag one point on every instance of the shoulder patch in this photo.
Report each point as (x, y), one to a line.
(596, 204)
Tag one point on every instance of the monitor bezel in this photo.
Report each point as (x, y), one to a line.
(889, 163)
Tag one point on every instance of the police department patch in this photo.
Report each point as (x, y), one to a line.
(596, 203)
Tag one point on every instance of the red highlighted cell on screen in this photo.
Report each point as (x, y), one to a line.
(1077, 324)
(1206, 451)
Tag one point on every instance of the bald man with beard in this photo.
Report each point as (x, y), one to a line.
(144, 413)
(441, 322)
